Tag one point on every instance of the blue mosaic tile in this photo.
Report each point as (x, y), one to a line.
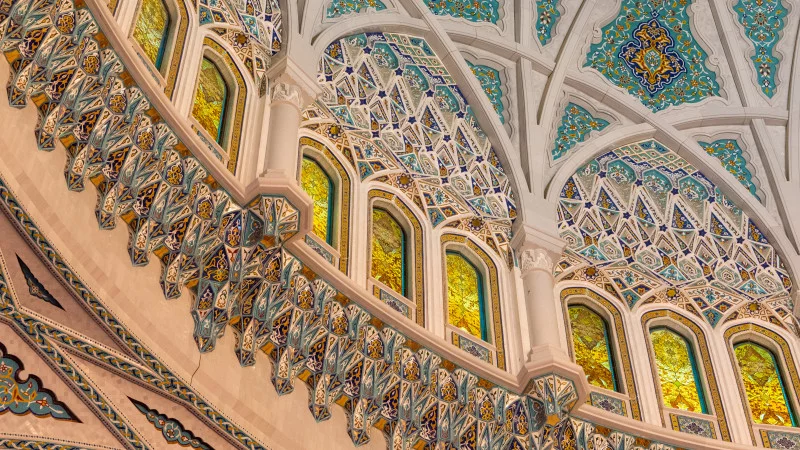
(780, 440)
(608, 403)
(576, 124)
(694, 425)
(472, 347)
(763, 21)
(649, 50)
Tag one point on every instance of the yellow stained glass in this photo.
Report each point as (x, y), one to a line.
(590, 342)
(318, 186)
(210, 98)
(464, 296)
(763, 385)
(388, 251)
(680, 388)
(150, 29)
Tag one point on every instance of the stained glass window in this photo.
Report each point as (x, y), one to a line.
(677, 371)
(210, 99)
(465, 304)
(388, 251)
(763, 384)
(318, 185)
(592, 346)
(151, 29)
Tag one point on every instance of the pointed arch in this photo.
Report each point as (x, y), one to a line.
(701, 423)
(229, 135)
(620, 352)
(411, 303)
(490, 345)
(340, 230)
(785, 373)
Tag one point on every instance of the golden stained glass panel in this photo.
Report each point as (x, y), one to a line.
(210, 98)
(388, 251)
(680, 388)
(464, 296)
(150, 29)
(318, 186)
(590, 342)
(763, 385)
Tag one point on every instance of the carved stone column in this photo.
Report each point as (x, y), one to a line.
(283, 156)
(552, 378)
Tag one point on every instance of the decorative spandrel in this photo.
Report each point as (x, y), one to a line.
(677, 371)
(472, 10)
(730, 155)
(388, 251)
(547, 15)
(489, 79)
(465, 305)
(338, 8)
(763, 385)
(317, 184)
(591, 344)
(151, 30)
(649, 50)
(210, 99)
(576, 125)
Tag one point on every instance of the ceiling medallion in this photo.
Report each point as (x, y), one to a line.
(651, 58)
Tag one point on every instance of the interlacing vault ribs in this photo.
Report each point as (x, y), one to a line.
(232, 260)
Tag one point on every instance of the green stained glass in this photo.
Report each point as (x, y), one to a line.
(151, 28)
(319, 187)
(465, 296)
(763, 385)
(677, 372)
(591, 344)
(210, 99)
(388, 251)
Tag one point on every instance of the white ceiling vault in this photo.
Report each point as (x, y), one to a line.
(564, 100)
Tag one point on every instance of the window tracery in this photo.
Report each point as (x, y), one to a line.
(677, 371)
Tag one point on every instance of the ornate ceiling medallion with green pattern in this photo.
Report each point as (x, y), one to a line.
(650, 51)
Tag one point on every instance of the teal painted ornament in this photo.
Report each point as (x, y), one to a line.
(489, 80)
(649, 50)
(472, 10)
(338, 8)
(547, 15)
(576, 124)
(729, 154)
(763, 21)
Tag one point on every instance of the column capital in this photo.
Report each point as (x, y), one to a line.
(537, 249)
(291, 83)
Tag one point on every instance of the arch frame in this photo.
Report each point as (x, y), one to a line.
(489, 269)
(696, 337)
(574, 294)
(774, 341)
(343, 189)
(412, 226)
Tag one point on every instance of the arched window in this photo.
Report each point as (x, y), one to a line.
(151, 30)
(592, 348)
(466, 308)
(763, 385)
(319, 186)
(210, 100)
(677, 371)
(388, 251)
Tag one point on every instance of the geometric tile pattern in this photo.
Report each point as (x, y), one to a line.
(693, 425)
(395, 113)
(338, 8)
(607, 403)
(649, 51)
(546, 19)
(472, 10)
(729, 154)
(173, 431)
(260, 20)
(21, 397)
(489, 80)
(576, 125)
(657, 230)
(763, 22)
